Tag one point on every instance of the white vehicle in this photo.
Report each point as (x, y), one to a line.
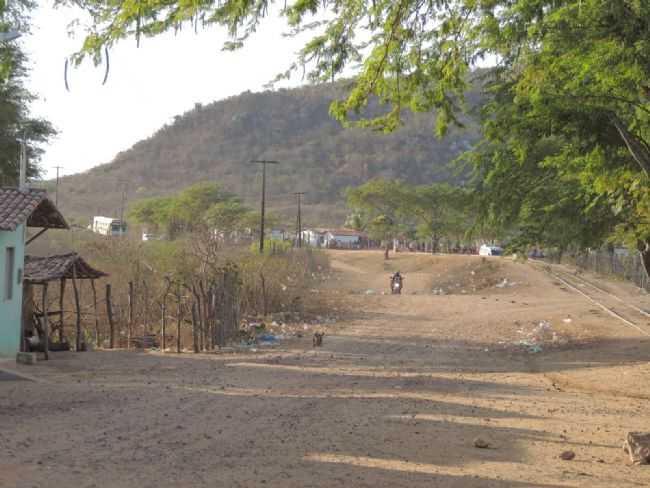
(108, 226)
(148, 237)
(488, 250)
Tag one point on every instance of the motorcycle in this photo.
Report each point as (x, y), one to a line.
(396, 286)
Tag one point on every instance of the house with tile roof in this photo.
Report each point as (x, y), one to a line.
(20, 208)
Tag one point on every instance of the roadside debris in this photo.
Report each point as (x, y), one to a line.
(481, 443)
(637, 445)
(540, 336)
(506, 283)
(318, 339)
(567, 455)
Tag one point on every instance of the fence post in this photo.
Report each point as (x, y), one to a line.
(109, 313)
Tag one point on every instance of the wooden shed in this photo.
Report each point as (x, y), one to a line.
(41, 271)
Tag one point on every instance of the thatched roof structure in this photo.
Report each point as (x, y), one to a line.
(53, 268)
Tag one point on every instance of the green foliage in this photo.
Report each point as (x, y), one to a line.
(228, 216)
(411, 55)
(377, 204)
(15, 120)
(566, 154)
(441, 210)
(387, 209)
(191, 209)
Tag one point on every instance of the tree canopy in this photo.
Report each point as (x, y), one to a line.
(198, 206)
(389, 209)
(569, 98)
(15, 120)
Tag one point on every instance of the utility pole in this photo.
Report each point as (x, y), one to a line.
(299, 194)
(263, 163)
(22, 174)
(56, 197)
(124, 189)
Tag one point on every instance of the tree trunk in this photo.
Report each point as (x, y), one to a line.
(130, 322)
(97, 338)
(77, 307)
(61, 295)
(145, 305)
(179, 319)
(163, 324)
(195, 327)
(386, 250)
(644, 250)
(109, 313)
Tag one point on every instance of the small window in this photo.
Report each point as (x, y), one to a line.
(10, 262)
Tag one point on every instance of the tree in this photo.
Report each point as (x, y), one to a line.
(183, 212)
(227, 216)
(378, 204)
(575, 70)
(15, 121)
(441, 210)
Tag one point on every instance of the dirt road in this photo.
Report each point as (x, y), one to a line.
(395, 398)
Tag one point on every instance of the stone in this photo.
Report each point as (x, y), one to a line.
(637, 445)
(481, 443)
(26, 358)
(567, 455)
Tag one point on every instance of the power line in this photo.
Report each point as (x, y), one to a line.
(263, 162)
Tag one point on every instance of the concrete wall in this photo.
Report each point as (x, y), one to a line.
(10, 310)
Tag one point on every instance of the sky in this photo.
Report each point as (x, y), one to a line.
(146, 87)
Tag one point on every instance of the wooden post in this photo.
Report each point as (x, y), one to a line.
(195, 327)
(77, 306)
(46, 328)
(163, 319)
(179, 319)
(97, 338)
(109, 313)
(130, 324)
(145, 318)
(61, 295)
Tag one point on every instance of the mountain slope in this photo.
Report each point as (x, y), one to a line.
(217, 141)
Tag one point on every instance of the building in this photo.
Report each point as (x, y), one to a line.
(108, 226)
(344, 238)
(313, 237)
(277, 235)
(19, 209)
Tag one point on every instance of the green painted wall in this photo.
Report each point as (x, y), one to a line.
(10, 310)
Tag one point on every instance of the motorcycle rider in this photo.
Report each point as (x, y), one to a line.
(396, 278)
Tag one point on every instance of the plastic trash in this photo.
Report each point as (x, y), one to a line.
(267, 338)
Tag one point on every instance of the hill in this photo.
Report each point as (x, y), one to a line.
(216, 142)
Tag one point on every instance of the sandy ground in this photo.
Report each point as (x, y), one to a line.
(395, 397)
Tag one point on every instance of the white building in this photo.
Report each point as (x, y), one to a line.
(344, 238)
(314, 237)
(108, 226)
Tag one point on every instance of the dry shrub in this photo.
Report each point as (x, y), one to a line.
(281, 282)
